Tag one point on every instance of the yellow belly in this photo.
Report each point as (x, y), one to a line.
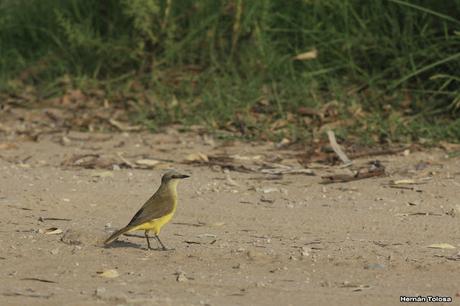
(154, 225)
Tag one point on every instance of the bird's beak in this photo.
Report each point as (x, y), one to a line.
(182, 176)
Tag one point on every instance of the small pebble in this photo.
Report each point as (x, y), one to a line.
(54, 251)
(181, 277)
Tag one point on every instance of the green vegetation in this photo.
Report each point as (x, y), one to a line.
(385, 70)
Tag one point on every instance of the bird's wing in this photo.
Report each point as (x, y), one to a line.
(155, 207)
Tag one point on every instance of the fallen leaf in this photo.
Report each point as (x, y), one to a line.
(308, 111)
(7, 146)
(65, 141)
(401, 182)
(231, 182)
(374, 169)
(200, 157)
(147, 162)
(123, 126)
(361, 287)
(441, 246)
(267, 189)
(240, 157)
(309, 55)
(110, 273)
(283, 143)
(449, 146)
(90, 161)
(355, 287)
(76, 95)
(51, 231)
(278, 124)
(56, 115)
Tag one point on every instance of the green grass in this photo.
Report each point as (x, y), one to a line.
(216, 62)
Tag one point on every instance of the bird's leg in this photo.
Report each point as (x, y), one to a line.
(161, 243)
(148, 240)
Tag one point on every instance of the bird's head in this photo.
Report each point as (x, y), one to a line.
(172, 176)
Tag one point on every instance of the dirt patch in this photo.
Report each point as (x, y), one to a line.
(252, 238)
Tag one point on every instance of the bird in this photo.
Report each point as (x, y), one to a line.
(156, 212)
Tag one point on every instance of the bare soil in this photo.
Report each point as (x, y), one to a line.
(238, 238)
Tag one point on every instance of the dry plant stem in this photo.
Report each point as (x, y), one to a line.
(337, 149)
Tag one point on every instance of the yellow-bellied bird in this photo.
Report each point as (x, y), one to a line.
(156, 212)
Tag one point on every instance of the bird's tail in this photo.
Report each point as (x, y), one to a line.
(115, 235)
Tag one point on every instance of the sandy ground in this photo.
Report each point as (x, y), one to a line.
(238, 238)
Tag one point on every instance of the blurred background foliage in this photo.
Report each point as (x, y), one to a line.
(389, 68)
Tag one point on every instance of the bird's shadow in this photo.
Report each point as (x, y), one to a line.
(126, 244)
